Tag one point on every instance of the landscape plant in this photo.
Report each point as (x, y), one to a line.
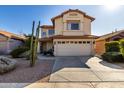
(18, 51)
(112, 57)
(34, 44)
(122, 46)
(114, 51)
(112, 46)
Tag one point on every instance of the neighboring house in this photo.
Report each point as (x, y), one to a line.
(9, 41)
(70, 34)
(100, 42)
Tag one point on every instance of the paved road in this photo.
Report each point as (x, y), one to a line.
(80, 69)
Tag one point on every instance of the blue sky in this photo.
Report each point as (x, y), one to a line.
(18, 19)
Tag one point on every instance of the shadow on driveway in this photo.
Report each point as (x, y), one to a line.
(111, 65)
(69, 62)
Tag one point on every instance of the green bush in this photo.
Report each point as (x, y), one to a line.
(25, 55)
(112, 46)
(27, 42)
(113, 57)
(21, 50)
(122, 46)
(18, 51)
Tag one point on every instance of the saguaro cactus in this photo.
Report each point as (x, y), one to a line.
(31, 46)
(37, 35)
(34, 44)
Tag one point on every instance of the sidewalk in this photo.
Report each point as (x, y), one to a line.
(78, 85)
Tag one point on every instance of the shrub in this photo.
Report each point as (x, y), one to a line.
(112, 46)
(26, 55)
(113, 57)
(22, 51)
(122, 46)
(105, 56)
(16, 52)
(27, 42)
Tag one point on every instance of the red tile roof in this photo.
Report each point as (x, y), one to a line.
(11, 35)
(71, 10)
(68, 37)
(47, 26)
(106, 36)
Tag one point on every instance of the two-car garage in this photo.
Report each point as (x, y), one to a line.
(73, 47)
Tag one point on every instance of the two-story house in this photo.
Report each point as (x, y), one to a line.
(70, 34)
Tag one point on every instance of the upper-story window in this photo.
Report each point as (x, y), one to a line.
(51, 32)
(43, 34)
(73, 26)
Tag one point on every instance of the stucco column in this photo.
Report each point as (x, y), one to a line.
(47, 34)
(38, 47)
(93, 47)
(65, 26)
(81, 27)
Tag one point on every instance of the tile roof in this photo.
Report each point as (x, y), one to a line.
(47, 26)
(68, 37)
(106, 36)
(73, 10)
(11, 35)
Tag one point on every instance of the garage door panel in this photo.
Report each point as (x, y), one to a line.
(73, 49)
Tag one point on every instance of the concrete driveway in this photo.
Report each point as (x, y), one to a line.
(88, 69)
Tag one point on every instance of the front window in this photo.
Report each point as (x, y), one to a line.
(51, 32)
(43, 34)
(73, 26)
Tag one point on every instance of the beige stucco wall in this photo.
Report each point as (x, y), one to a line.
(46, 30)
(58, 26)
(61, 24)
(87, 26)
(73, 33)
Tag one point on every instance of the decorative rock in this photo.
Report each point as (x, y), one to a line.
(6, 64)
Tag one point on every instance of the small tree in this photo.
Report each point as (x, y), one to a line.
(122, 46)
(112, 46)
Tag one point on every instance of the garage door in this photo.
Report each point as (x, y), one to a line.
(72, 48)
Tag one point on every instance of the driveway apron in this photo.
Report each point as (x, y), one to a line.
(72, 69)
